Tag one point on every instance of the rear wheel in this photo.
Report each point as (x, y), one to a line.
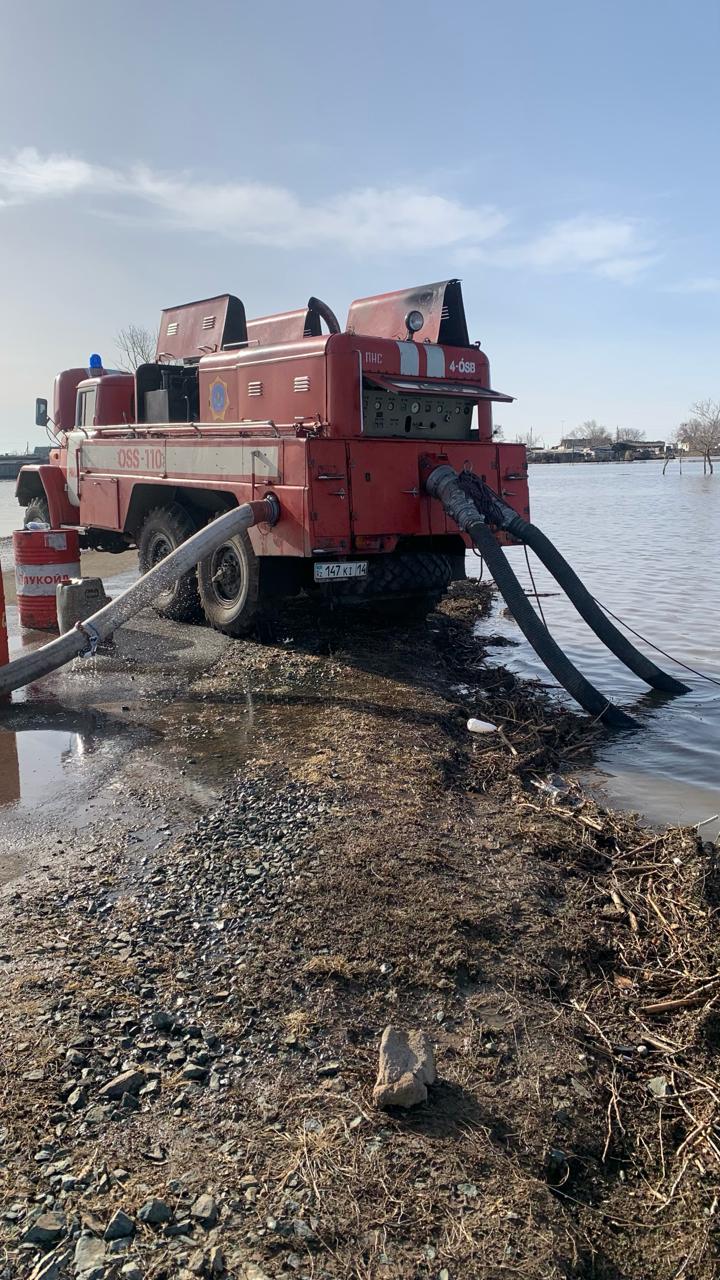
(37, 509)
(229, 585)
(164, 529)
(401, 586)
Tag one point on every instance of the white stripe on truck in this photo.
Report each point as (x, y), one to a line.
(143, 456)
(409, 359)
(435, 357)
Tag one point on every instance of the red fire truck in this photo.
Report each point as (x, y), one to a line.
(338, 424)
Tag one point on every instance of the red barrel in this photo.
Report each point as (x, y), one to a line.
(43, 557)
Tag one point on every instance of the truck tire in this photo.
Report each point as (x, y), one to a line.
(400, 588)
(229, 585)
(395, 580)
(163, 530)
(37, 509)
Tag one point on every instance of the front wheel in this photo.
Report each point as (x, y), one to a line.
(229, 585)
(163, 530)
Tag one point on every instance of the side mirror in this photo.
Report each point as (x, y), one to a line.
(41, 413)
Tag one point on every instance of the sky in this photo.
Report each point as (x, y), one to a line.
(560, 158)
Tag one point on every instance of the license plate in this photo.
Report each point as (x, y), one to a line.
(334, 570)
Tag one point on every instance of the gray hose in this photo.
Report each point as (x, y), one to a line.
(87, 635)
(442, 483)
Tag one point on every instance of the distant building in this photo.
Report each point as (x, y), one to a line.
(575, 446)
(639, 448)
(10, 463)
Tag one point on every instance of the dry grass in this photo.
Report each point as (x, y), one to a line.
(562, 957)
(330, 966)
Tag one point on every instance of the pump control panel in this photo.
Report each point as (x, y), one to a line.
(415, 416)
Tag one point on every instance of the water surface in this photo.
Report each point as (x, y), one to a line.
(648, 547)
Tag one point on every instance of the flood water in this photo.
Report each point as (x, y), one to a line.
(648, 547)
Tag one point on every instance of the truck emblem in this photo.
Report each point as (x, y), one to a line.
(218, 399)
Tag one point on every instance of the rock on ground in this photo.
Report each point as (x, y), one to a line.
(89, 1257)
(407, 1067)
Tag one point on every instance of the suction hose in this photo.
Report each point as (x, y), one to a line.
(577, 593)
(442, 483)
(326, 313)
(85, 637)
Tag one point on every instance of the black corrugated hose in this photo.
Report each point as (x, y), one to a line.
(443, 484)
(504, 517)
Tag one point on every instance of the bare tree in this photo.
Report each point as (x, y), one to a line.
(136, 346)
(529, 439)
(702, 432)
(593, 432)
(632, 434)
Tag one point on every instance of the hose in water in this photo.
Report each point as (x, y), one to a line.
(505, 518)
(443, 484)
(86, 635)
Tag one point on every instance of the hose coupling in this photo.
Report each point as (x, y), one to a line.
(267, 510)
(91, 635)
(442, 483)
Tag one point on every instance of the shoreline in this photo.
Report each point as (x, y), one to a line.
(357, 858)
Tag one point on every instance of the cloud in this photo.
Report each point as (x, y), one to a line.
(394, 219)
(613, 247)
(391, 219)
(29, 176)
(700, 284)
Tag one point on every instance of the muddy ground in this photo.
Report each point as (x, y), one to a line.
(298, 842)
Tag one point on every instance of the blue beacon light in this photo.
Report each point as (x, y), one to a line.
(95, 361)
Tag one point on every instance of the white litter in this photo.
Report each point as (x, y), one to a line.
(481, 726)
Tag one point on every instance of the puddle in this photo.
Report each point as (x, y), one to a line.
(34, 763)
(210, 739)
(51, 754)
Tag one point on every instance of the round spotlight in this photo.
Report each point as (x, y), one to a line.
(414, 321)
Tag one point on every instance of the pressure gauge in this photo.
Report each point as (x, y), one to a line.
(415, 407)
